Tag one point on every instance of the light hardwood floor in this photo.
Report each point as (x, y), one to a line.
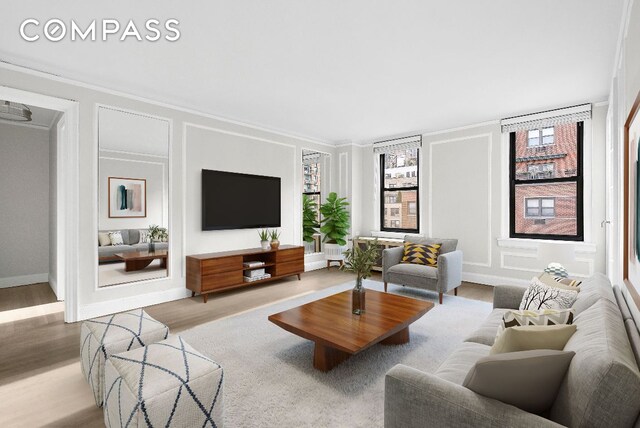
(40, 379)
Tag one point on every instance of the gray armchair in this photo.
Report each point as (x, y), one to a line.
(447, 276)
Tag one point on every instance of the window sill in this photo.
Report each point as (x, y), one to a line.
(532, 244)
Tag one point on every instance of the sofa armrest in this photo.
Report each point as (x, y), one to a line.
(413, 398)
(449, 271)
(507, 296)
(391, 257)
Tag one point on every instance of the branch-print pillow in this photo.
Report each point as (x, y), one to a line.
(539, 296)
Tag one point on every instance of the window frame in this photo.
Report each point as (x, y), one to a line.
(384, 189)
(578, 179)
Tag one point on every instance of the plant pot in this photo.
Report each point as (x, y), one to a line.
(152, 246)
(333, 251)
(265, 245)
(358, 298)
(275, 244)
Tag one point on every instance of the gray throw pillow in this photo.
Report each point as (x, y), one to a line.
(528, 380)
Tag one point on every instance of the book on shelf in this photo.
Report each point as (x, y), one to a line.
(256, 278)
(254, 273)
(253, 264)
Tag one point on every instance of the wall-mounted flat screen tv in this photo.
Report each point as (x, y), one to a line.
(239, 201)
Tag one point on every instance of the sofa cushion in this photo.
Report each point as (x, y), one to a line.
(602, 385)
(486, 334)
(622, 303)
(527, 338)
(407, 273)
(593, 289)
(420, 254)
(528, 380)
(456, 367)
(134, 236)
(144, 247)
(634, 338)
(111, 250)
(103, 239)
(448, 245)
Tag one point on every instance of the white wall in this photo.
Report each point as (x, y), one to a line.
(24, 205)
(94, 301)
(464, 195)
(208, 148)
(53, 207)
(625, 86)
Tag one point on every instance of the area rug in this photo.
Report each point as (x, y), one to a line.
(270, 380)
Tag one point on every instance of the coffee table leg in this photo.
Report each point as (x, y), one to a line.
(133, 265)
(397, 339)
(163, 262)
(325, 358)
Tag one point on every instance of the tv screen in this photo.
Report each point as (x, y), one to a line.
(239, 201)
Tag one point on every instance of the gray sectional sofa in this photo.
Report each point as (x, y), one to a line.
(131, 239)
(601, 387)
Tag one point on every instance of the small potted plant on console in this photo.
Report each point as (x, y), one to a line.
(275, 235)
(264, 239)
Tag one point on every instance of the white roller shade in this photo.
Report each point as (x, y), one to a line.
(404, 143)
(547, 118)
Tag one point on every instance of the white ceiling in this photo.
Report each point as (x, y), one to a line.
(338, 70)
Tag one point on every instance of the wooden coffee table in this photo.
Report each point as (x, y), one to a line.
(138, 260)
(338, 333)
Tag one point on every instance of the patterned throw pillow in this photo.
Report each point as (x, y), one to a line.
(539, 296)
(515, 318)
(144, 237)
(116, 238)
(559, 282)
(421, 254)
(556, 269)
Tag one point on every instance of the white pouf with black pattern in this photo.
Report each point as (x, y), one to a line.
(163, 384)
(113, 334)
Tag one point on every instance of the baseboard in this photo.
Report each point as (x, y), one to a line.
(320, 264)
(99, 309)
(16, 281)
(492, 280)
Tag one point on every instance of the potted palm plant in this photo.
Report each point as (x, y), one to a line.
(360, 260)
(309, 219)
(335, 226)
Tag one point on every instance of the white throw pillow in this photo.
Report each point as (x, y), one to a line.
(116, 238)
(539, 296)
(103, 239)
(144, 237)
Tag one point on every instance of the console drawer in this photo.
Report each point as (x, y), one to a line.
(289, 268)
(223, 264)
(220, 280)
(290, 255)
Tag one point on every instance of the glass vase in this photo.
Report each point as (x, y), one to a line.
(357, 298)
(152, 246)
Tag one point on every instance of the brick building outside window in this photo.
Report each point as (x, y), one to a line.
(546, 182)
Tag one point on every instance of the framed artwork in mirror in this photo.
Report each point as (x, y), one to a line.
(631, 238)
(127, 197)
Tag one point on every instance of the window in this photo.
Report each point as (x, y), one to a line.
(311, 183)
(540, 207)
(546, 187)
(399, 190)
(540, 137)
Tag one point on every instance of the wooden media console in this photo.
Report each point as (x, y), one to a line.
(215, 272)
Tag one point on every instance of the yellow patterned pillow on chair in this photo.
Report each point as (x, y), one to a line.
(420, 254)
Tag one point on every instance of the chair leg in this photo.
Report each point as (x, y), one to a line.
(440, 297)
(385, 286)
(455, 291)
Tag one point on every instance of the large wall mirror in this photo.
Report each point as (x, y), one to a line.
(133, 223)
(315, 182)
